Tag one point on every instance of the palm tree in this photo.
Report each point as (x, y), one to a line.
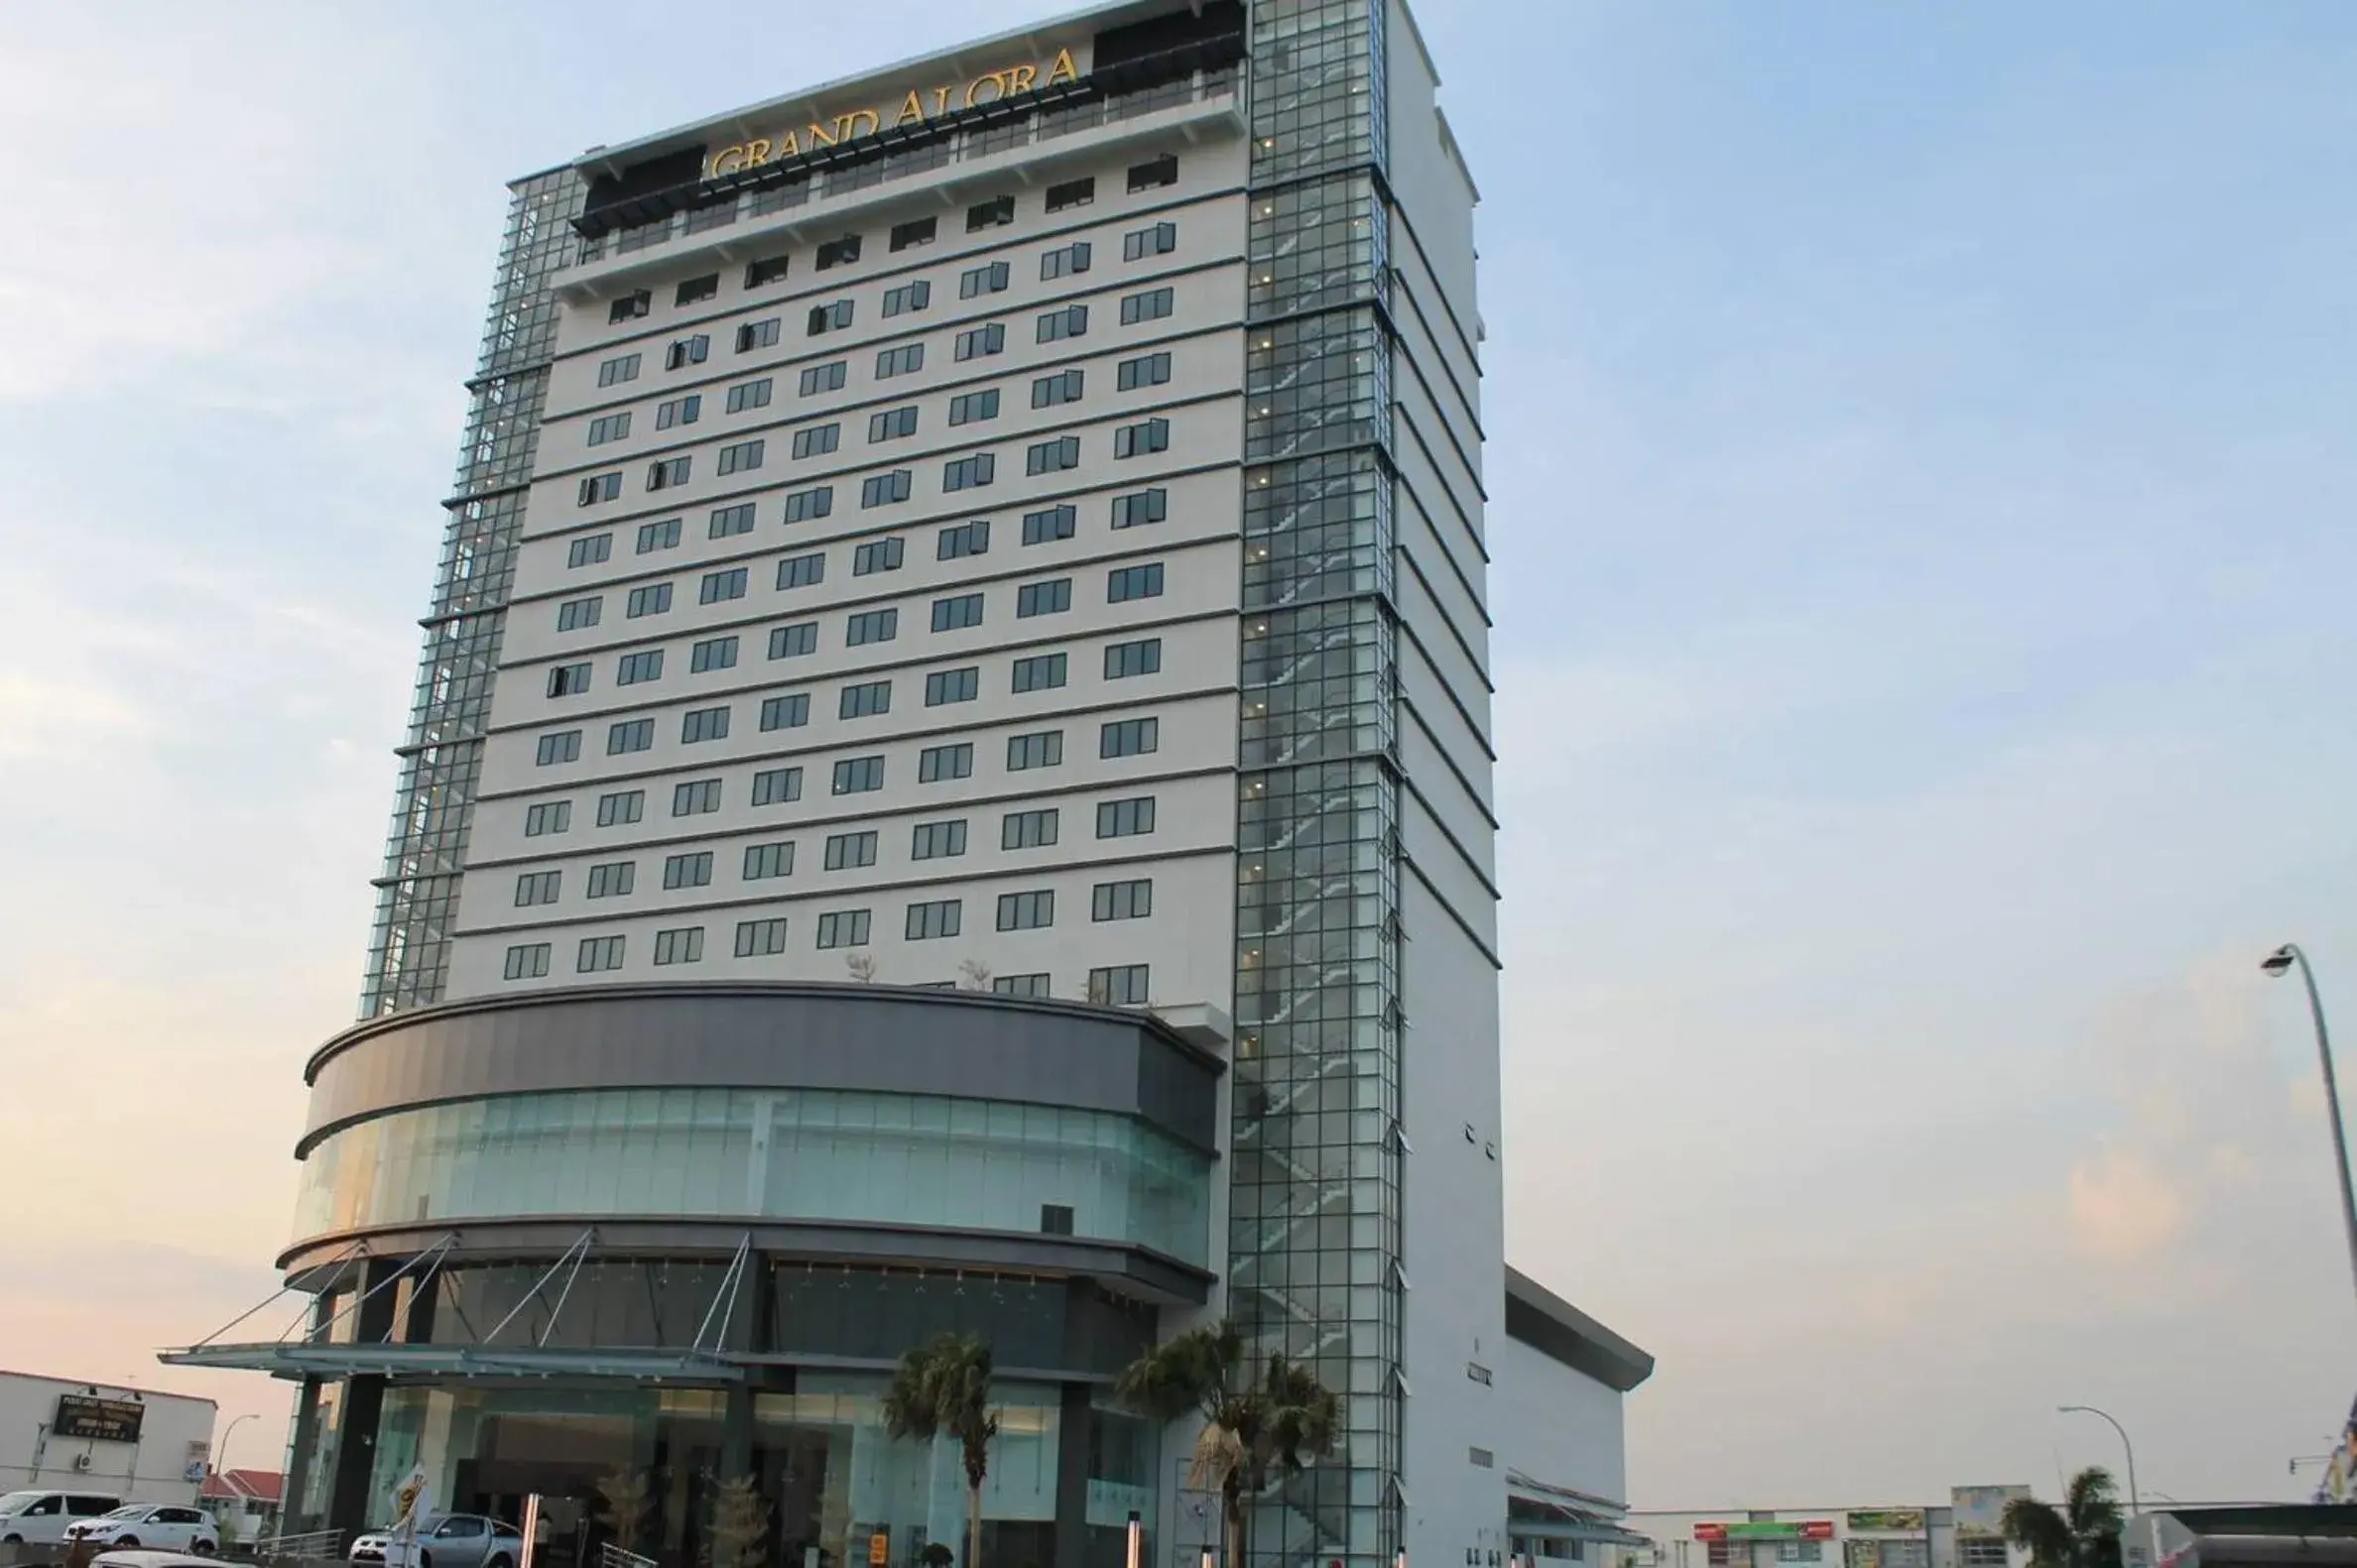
(945, 1387)
(2084, 1533)
(1252, 1428)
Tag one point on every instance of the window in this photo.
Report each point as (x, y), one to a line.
(865, 700)
(714, 652)
(1041, 749)
(777, 787)
(871, 626)
(621, 809)
(629, 735)
(844, 928)
(750, 394)
(574, 614)
(802, 505)
(621, 368)
(697, 290)
(1053, 597)
(680, 411)
(952, 615)
(938, 763)
(668, 474)
(721, 585)
(1134, 582)
(917, 232)
(1028, 829)
(816, 440)
(1147, 436)
(766, 271)
(802, 571)
(1071, 193)
(1129, 738)
(828, 377)
(528, 962)
(891, 424)
(609, 427)
(944, 687)
(1141, 505)
(564, 745)
(729, 521)
(686, 352)
(703, 724)
(1142, 657)
(970, 473)
(909, 297)
(598, 952)
(788, 710)
(1121, 901)
(938, 840)
(929, 921)
(971, 408)
(979, 341)
(761, 939)
(600, 487)
(1122, 986)
(1146, 370)
(653, 536)
(635, 668)
(757, 334)
(568, 681)
(1970, 1553)
(763, 860)
(1056, 523)
(858, 774)
(1064, 261)
(963, 539)
(839, 251)
(613, 879)
(883, 490)
(883, 554)
(1162, 171)
(1125, 818)
(692, 870)
(743, 457)
(550, 816)
(1056, 325)
(589, 550)
(1040, 672)
(1052, 456)
(537, 887)
(833, 317)
(680, 946)
(630, 306)
(1020, 985)
(1064, 386)
(1157, 239)
(1027, 912)
(989, 214)
(850, 851)
(900, 361)
(695, 798)
(1152, 305)
(794, 641)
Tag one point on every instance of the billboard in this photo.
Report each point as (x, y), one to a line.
(1885, 1518)
(104, 1420)
(1980, 1510)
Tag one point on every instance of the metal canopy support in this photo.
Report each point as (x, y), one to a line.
(726, 1296)
(344, 1257)
(581, 1246)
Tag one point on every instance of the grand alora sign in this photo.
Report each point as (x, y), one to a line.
(916, 107)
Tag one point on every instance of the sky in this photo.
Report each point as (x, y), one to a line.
(1920, 482)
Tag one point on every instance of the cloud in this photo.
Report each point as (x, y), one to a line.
(2122, 1208)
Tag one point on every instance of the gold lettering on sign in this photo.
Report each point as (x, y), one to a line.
(757, 150)
(1063, 70)
(996, 80)
(913, 108)
(940, 100)
(819, 137)
(989, 87)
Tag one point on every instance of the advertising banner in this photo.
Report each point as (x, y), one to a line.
(1911, 1519)
(102, 1420)
(1980, 1510)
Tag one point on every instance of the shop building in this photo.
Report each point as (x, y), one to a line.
(141, 1444)
(1962, 1532)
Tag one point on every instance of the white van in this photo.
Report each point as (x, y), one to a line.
(39, 1519)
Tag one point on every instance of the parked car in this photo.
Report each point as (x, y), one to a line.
(40, 1518)
(451, 1541)
(165, 1526)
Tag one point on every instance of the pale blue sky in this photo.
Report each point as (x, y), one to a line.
(1920, 480)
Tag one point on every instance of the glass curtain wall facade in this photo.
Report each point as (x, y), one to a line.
(1315, 1241)
(442, 755)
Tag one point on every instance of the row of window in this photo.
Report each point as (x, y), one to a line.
(1116, 738)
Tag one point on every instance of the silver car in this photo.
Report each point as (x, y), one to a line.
(451, 1541)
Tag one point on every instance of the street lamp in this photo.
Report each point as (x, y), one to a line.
(2135, 1498)
(221, 1450)
(2276, 963)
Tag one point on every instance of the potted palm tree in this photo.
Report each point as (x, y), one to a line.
(944, 1387)
(1256, 1427)
(2084, 1533)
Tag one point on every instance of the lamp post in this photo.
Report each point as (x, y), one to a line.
(2135, 1498)
(221, 1450)
(2276, 963)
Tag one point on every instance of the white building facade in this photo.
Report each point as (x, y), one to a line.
(1963, 1531)
(135, 1443)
